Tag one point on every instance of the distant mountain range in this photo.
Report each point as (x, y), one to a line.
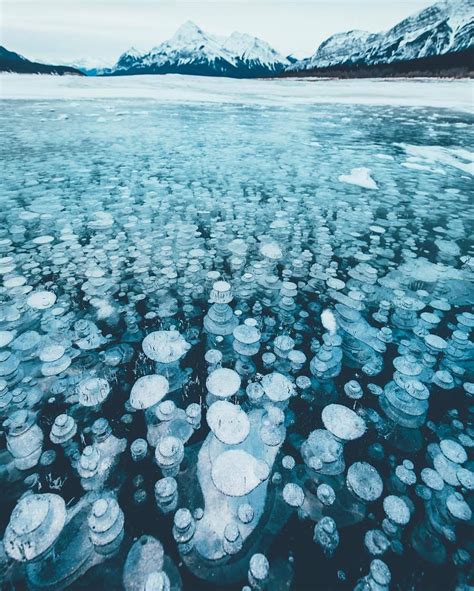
(445, 27)
(192, 51)
(14, 62)
(433, 41)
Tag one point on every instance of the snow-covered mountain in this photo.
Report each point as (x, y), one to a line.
(192, 51)
(88, 66)
(14, 62)
(447, 26)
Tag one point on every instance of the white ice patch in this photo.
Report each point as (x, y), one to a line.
(328, 320)
(425, 155)
(359, 176)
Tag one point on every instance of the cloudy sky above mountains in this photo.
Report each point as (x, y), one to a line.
(61, 30)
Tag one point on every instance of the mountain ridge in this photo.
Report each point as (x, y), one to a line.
(192, 51)
(444, 27)
(16, 63)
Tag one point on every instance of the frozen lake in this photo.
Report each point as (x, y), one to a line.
(457, 94)
(311, 238)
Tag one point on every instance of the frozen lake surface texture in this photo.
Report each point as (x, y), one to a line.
(236, 335)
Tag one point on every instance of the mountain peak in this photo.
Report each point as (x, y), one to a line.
(438, 29)
(250, 48)
(188, 32)
(133, 52)
(192, 50)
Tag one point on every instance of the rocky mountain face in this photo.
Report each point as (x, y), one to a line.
(442, 28)
(192, 51)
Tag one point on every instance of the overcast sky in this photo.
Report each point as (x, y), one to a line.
(102, 29)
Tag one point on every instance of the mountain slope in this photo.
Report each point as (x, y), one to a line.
(192, 51)
(445, 27)
(14, 62)
(458, 64)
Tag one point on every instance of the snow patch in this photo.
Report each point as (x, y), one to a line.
(359, 176)
(457, 157)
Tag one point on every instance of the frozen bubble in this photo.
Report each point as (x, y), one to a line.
(396, 509)
(236, 473)
(407, 476)
(343, 422)
(466, 478)
(41, 300)
(165, 346)
(93, 391)
(223, 382)
(293, 494)
(432, 479)
(51, 353)
(364, 481)
(157, 581)
(288, 462)
(148, 391)
(35, 524)
(453, 450)
(271, 251)
(228, 422)
(213, 356)
(328, 320)
(245, 513)
(6, 337)
(259, 567)
(277, 387)
(458, 507)
(248, 335)
(376, 542)
(326, 494)
(380, 572)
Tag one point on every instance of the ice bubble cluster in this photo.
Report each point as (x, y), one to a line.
(222, 368)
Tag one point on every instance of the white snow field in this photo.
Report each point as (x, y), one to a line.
(456, 94)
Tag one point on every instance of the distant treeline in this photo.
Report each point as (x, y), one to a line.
(449, 65)
(36, 68)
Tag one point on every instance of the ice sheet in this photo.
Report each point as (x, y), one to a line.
(455, 94)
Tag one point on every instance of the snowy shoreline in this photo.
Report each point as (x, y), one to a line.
(422, 92)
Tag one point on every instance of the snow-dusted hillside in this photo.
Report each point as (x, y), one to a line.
(444, 27)
(16, 63)
(192, 51)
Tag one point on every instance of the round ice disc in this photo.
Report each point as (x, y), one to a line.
(223, 382)
(228, 422)
(343, 422)
(148, 390)
(41, 300)
(277, 387)
(364, 481)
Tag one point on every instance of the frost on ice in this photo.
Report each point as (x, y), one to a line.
(222, 368)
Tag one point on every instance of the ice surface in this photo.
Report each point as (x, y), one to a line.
(454, 94)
